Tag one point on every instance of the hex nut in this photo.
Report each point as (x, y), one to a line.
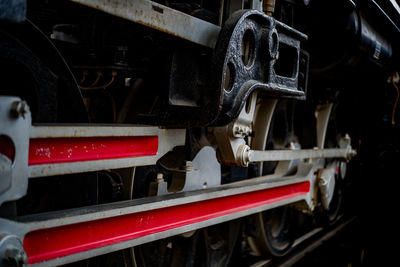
(19, 109)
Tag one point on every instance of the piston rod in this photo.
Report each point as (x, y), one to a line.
(278, 155)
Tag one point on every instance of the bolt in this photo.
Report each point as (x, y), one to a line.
(188, 166)
(160, 178)
(14, 257)
(347, 138)
(292, 146)
(242, 155)
(241, 131)
(19, 109)
(236, 130)
(352, 153)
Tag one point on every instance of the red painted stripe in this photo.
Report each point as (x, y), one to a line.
(61, 150)
(46, 244)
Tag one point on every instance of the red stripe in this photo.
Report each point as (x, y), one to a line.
(46, 244)
(61, 150)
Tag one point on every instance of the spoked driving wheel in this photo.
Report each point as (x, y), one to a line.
(331, 179)
(272, 231)
(220, 241)
(173, 251)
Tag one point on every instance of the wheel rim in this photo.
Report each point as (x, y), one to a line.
(331, 141)
(272, 234)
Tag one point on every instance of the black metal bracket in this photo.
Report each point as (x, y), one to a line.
(256, 52)
(253, 52)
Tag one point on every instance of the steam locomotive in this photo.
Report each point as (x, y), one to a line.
(187, 132)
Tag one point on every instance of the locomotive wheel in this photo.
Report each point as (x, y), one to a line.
(32, 69)
(332, 141)
(220, 241)
(173, 251)
(335, 206)
(209, 247)
(272, 231)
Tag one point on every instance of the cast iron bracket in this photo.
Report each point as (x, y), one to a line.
(256, 52)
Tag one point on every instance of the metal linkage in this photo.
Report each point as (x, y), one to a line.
(159, 17)
(233, 149)
(37, 151)
(246, 156)
(230, 138)
(57, 150)
(279, 155)
(72, 235)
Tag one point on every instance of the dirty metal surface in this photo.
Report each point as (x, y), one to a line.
(92, 231)
(255, 52)
(159, 17)
(56, 149)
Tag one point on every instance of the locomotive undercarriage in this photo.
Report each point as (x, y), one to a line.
(172, 132)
